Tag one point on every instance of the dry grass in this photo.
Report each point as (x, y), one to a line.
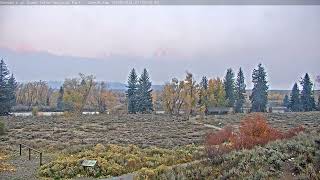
(60, 133)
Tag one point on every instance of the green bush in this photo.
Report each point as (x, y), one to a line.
(35, 111)
(114, 160)
(2, 128)
(268, 162)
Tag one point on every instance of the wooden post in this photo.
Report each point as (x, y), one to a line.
(20, 148)
(40, 158)
(29, 154)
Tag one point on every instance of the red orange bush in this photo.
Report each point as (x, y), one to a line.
(254, 130)
(220, 137)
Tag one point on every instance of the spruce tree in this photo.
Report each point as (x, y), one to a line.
(12, 86)
(132, 92)
(240, 92)
(7, 89)
(229, 86)
(286, 101)
(295, 105)
(259, 96)
(203, 94)
(60, 104)
(307, 98)
(144, 96)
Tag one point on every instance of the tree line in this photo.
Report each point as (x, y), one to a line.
(304, 100)
(75, 95)
(190, 97)
(229, 92)
(177, 96)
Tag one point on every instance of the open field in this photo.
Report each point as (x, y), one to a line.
(57, 133)
(309, 120)
(60, 137)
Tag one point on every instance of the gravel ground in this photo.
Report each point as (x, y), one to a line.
(25, 169)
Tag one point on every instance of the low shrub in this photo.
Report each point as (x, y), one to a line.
(254, 130)
(35, 111)
(114, 160)
(4, 166)
(295, 158)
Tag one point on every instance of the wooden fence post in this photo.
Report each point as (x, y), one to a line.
(29, 154)
(40, 158)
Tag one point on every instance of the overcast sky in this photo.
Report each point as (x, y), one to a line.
(205, 40)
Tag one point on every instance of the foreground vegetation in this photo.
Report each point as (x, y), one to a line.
(113, 160)
(296, 158)
(255, 151)
(4, 165)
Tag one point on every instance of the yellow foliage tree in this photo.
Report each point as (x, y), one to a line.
(217, 94)
(173, 96)
(76, 92)
(180, 94)
(190, 92)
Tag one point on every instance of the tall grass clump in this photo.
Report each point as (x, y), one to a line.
(2, 128)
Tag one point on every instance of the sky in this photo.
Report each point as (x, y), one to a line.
(168, 40)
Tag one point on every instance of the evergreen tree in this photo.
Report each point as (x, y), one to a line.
(144, 96)
(259, 96)
(286, 102)
(7, 89)
(240, 92)
(229, 86)
(203, 94)
(295, 104)
(12, 86)
(60, 103)
(307, 98)
(132, 92)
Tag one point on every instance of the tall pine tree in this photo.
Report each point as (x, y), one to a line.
(295, 104)
(144, 96)
(203, 94)
(132, 92)
(259, 96)
(240, 92)
(307, 98)
(12, 86)
(7, 89)
(229, 86)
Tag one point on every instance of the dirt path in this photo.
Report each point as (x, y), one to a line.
(212, 126)
(25, 169)
(196, 121)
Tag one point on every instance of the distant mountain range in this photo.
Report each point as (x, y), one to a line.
(42, 65)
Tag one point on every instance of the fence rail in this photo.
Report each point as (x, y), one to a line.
(29, 152)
